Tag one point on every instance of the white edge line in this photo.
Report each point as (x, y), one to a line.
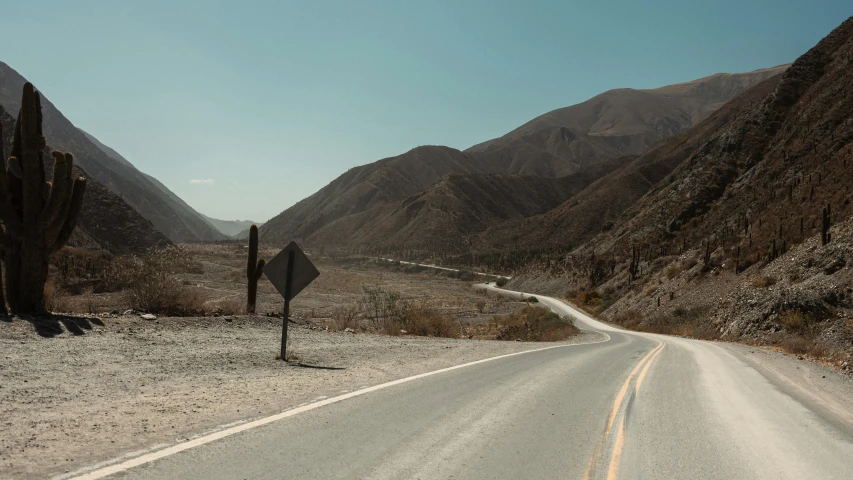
(180, 447)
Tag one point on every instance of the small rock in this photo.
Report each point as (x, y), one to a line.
(148, 316)
(228, 318)
(349, 330)
(128, 312)
(403, 332)
(799, 358)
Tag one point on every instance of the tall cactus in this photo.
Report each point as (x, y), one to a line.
(254, 269)
(38, 215)
(825, 235)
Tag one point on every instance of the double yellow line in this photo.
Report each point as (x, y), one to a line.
(616, 454)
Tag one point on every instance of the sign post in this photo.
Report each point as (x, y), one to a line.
(289, 271)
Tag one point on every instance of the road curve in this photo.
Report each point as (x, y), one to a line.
(632, 406)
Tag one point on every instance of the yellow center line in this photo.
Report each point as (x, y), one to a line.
(615, 458)
(646, 369)
(615, 409)
(613, 469)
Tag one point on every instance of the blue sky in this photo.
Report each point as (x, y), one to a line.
(263, 103)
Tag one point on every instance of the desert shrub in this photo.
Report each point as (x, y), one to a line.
(152, 283)
(762, 282)
(534, 324)
(466, 276)
(345, 317)
(673, 270)
(532, 300)
(797, 345)
(629, 318)
(481, 305)
(425, 321)
(55, 298)
(228, 306)
(501, 282)
(794, 320)
(650, 289)
(380, 305)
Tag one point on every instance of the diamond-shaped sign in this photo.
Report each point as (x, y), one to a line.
(304, 272)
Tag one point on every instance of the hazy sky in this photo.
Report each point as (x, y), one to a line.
(244, 108)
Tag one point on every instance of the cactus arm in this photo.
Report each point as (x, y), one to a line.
(75, 205)
(58, 194)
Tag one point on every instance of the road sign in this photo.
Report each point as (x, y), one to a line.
(304, 272)
(289, 272)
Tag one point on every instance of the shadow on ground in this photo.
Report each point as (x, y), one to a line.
(52, 325)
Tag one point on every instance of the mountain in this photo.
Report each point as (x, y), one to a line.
(745, 230)
(557, 144)
(154, 201)
(232, 228)
(451, 211)
(619, 122)
(106, 222)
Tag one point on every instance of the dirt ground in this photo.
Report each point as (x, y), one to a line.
(79, 389)
(340, 286)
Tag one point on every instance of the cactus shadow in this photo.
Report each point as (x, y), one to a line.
(49, 326)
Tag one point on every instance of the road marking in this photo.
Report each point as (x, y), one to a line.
(180, 447)
(593, 461)
(646, 369)
(613, 469)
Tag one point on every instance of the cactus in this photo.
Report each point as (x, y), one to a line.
(254, 269)
(634, 268)
(707, 259)
(38, 215)
(825, 235)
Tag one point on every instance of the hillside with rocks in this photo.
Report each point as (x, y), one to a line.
(170, 215)
(746, 231)
(568, 141)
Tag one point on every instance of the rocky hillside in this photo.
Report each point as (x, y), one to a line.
(557, 144)
(618, 122)
(462, 204)
(168, 213)
(107, 222)
(729, 240)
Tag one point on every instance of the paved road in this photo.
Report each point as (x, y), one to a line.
(632, 406)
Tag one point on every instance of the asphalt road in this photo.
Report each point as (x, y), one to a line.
(632, 406)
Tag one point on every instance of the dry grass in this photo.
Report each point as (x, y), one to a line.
(344, 317)
(232, 305)
(762, 282)
(534, 324)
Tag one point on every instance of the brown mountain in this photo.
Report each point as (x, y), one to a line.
(448, 213)
(557, 144)
(616, 122)
(168, 213)
(106, 222)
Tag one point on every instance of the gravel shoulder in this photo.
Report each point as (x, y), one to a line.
(125, 385)
(825, 390)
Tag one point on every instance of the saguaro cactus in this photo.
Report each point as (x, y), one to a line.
(38, 215)
(825, 235)
(254, 269)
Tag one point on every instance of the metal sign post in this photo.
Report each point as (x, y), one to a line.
(286, 315)
(290, 271)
